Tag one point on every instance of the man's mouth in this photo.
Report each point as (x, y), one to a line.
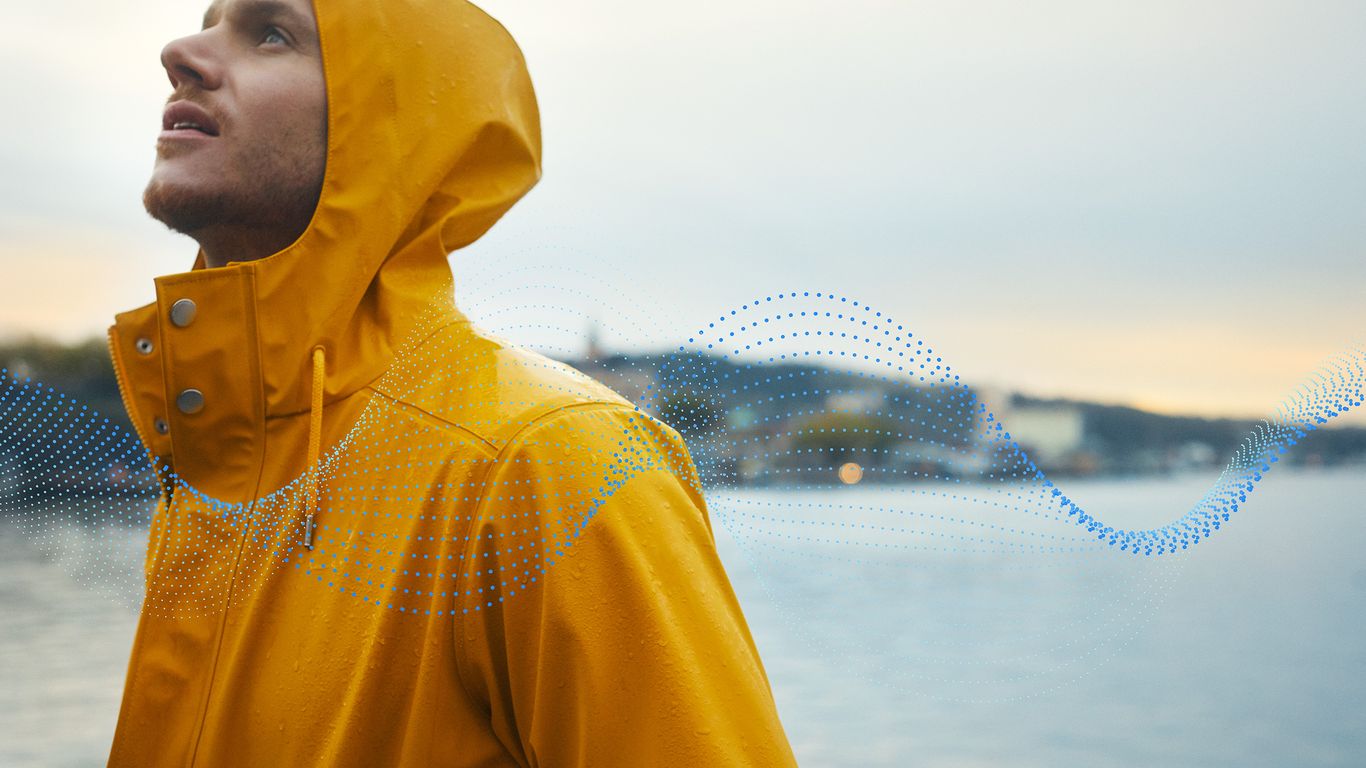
(187, 117)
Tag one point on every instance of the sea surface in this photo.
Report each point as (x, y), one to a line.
(1249, 650)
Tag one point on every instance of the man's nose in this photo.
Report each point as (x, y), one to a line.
(187, 61)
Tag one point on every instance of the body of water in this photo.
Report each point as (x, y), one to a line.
(945, 650)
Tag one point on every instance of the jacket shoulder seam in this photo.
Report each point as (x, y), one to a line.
(422, 414)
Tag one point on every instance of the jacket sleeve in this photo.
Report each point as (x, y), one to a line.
(595, 621)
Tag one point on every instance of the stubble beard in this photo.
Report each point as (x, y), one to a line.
(277, 205)
(189, 209)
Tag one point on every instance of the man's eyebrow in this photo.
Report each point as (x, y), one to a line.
(256, 9)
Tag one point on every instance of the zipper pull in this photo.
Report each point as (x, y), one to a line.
(308, 531)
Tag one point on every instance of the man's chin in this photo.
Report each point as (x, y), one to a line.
(183, 208)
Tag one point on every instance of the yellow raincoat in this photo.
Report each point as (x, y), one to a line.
(385, 538)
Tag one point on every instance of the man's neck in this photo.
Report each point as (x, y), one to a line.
(222, 245)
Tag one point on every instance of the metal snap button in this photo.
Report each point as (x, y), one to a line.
(144, 346)
(183, 312)
(190, 401)
(161, 426)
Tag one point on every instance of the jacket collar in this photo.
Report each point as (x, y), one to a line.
(246, 352)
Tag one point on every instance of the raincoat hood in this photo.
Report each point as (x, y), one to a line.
(433, 134)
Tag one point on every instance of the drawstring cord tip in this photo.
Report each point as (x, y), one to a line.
(315, 429)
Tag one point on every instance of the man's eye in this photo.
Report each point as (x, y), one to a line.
(274, 35)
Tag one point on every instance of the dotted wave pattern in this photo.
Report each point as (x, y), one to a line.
(474, 467)
(927, 424)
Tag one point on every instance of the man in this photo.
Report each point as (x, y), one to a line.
(386, 539)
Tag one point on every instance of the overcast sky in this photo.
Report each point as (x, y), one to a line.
(1155, 203)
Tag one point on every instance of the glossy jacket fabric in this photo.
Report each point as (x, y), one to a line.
(386, 538)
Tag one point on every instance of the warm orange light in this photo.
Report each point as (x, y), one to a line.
(850, 473)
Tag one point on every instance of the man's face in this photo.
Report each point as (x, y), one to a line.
(244, 139)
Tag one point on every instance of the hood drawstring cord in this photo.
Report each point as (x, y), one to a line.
(315, 431)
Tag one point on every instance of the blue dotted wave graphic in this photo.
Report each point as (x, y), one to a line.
(786, 405)
(936, 418)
